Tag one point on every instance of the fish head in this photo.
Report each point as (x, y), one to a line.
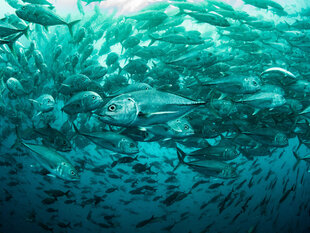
(92, 100)
(121, 110)
(62, 144)
(280, 139)
(11, 83)
(278, 100)
(181, 127)
(143, 86)
(228, 172)
(252, 84)
(67, 171)
(24, 11)
(48, 103)
(128, 146)
(15, 86)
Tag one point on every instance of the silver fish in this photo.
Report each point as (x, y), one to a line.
(147, 107)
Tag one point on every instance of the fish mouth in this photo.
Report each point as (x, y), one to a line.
(66, 149)
(104, 116)
(75, 179)
(135, 151)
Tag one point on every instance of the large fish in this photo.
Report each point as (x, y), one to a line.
(55, 163)
(42, 15)
(53, 138)
(111, 141)
(44, 103)
(147, 107)
(7, 30)
(179, 128)
(15, 87)
(236, 84)
(209, 167)
(212, 18)
(84, 101)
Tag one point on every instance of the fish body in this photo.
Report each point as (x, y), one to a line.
(263, 100)
(42, 15)
(112, 141)
(221, 153)
(54, 138)
(53, 162)
(179, 128)
(15, 87)
(82, 102)
(44, 103)
(236, 84)
(147, 107)
(209, 167)
(8, 30)
(39, 2)
(212, 18)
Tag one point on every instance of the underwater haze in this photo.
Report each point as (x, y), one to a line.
(155, 116)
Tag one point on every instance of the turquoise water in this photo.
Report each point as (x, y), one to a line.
(195, 59)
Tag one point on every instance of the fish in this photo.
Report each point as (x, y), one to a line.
(211, 17)
(298, 158)
(211, 167)
(55, 163)
(57, 193)
(7, 30)
(82, 102)
(111, 141)
(15, 87)
(54, 138)
(286, 193)
(43, 103)
(175, 197)
(133, 109)
(236, 84)
(278, 70)
(179, 128)
(42, 15)
(224, 84)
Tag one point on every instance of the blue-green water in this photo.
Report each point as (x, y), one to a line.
(232, 78)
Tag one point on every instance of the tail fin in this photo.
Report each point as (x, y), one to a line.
(298, 160)
(75, 128)
(153, 38)
(70, 25)
(299, 144)
(18, 141)
(25, 31)
(181, 155)
(10, 45)
(67, 193)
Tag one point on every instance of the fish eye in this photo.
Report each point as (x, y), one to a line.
(146, 88)
(131, 145)
(94, 97)
(48, 101)
(186, 126)
(65, 143)
(254, 83)
(112, 108)
(72, 173)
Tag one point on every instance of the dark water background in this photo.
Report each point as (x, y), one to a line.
(25, 192)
